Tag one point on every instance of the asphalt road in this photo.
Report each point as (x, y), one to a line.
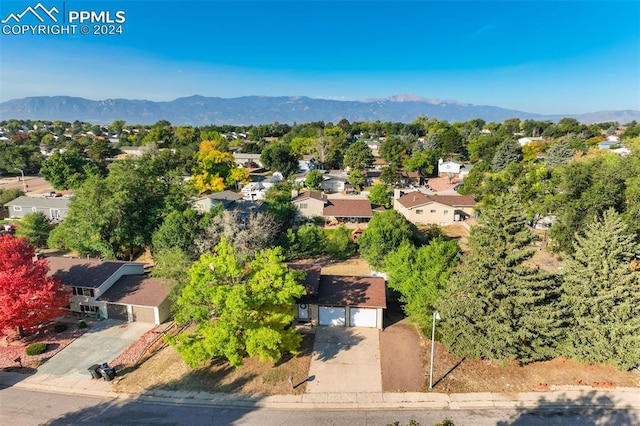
(21, 408)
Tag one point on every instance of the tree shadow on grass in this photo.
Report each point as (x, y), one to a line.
(588, 409)
(306, 349)
(209, 380)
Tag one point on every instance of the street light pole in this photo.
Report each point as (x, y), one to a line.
(24, 188)
(436, 316)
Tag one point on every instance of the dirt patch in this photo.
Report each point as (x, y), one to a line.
(353, 266)
(453, 374)
(167, 371)
(543, 259)
(401, 358)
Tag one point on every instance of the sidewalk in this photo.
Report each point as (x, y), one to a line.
(627, 398)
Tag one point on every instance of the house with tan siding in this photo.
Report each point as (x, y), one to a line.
(309, 204)
(424, 209)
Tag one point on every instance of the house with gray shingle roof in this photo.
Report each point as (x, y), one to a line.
(55, 208)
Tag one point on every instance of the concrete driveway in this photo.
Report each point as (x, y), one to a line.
(104, 341)
(345, 360)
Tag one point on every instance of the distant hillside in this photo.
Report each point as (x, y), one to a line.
(200, 110)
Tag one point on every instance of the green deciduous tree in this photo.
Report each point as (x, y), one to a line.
(385, 233)
(340, 244)
(314, 179)
(238, 310)
(496, 307)
(68, 170)
(278, 157)
(35, 227)
(423, 162)
(419, 275)
(358, 156)
(113, 217)
(10, 194)
(602, 295)
(381, 195)
(308, 241)
(178, 230)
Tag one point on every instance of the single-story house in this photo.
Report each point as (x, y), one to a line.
(449, 168)
(309, 204)
(420, 208)
(55, 208)
(347, 210)
(207, 202)
(409, 178)
(344, 301)
(334, 183)
(257, 190)
(250, 161)
(112, 289)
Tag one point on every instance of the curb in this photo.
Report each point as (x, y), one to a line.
(620, 398)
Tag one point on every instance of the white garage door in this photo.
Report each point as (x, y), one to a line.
(361, 317)
(331, 316)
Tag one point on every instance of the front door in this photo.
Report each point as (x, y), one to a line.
(303, 312)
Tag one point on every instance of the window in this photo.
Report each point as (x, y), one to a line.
(17, 208)
(79, 291)
(303, 205)
(432, 211)
(419, 211)
(445, 213)
(88, 309)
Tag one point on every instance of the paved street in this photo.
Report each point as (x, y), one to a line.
(54, 409)
(345, 359)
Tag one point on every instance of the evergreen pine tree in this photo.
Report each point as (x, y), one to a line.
(496, 307)
(602, 295)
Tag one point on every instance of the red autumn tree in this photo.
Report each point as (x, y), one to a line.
(28, 296)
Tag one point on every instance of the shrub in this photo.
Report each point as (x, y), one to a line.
(36, 348)
(82, 324)
(59, 328)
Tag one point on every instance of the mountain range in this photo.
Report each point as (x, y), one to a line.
(201, 110)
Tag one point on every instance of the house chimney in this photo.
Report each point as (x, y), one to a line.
(397, 193)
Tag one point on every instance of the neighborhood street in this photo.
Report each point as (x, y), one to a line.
(19, 409)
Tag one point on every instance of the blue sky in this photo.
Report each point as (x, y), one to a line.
(535, 56)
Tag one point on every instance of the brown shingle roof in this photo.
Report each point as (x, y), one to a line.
(312, 280)
(415, 198)
(364, 292)
(137, 290)
(348, 208)
(311, 194)
(82, 272)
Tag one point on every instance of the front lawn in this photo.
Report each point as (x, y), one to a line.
(167, 371)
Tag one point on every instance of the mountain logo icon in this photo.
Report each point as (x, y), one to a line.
(38, 11)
